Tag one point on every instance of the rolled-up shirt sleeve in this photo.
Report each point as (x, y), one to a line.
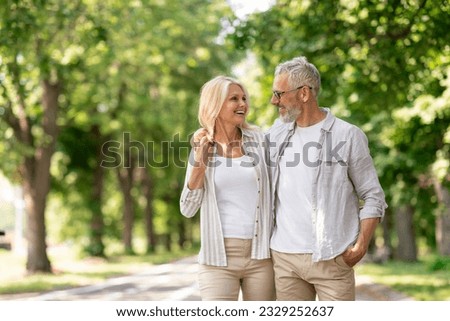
(365, 179)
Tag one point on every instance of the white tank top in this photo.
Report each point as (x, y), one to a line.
(236, 195)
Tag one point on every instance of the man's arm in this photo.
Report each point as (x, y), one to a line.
(364, 178)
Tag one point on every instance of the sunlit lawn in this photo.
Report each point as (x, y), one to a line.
(426, 280)
(70, 271)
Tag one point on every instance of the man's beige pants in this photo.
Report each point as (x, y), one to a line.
(254, 277)
(297, 278)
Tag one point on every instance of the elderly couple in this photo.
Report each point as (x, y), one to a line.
(280, 213)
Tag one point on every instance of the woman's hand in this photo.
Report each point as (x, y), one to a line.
(202, 144)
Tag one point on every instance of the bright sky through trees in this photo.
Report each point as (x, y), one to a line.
(243, 8)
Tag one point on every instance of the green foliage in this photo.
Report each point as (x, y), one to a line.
(440, 264)
(132, 68)
(384, 67)
(377, 55)
(418, 156)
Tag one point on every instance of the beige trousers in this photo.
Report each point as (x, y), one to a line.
(255, 278)
(297, 278)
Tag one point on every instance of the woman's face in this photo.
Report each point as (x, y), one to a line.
(235, 107)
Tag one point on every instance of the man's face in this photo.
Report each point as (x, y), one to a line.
(288, 103)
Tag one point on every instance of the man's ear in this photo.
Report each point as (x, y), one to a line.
(305, 94)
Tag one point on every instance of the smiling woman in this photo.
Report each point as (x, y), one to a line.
(228, 182)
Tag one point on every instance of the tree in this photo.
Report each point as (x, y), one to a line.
(36, 50)
(139, 87)
(421, 135)
(374, 58)
(162, 54)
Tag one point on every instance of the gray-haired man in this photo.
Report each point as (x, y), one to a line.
(321, 172)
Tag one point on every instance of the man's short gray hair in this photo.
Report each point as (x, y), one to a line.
(300, 72)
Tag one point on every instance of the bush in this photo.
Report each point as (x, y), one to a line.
(441, 263)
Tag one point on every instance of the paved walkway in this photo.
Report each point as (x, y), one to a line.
(174, 282)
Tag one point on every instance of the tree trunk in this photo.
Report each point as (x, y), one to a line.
(37, 259)
(385, 253)
(36, 174)
(147, 189)
(168, 242)
(181, 234)
(126, 178)
(443, 219)
(96, 245)
(406, 249)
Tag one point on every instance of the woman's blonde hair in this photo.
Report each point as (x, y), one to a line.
(212, 96)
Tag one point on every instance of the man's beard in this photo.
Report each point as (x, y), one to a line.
(290, 115)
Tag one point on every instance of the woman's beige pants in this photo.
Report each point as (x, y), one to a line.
(255, 278)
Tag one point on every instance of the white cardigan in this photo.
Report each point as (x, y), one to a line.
(212, 251)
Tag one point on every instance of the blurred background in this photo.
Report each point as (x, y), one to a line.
(98, 100)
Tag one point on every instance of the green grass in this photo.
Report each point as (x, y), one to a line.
(426, 280)
(71, 271)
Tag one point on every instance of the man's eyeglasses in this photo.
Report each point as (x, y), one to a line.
(278, 94)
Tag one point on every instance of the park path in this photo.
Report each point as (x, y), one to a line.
(176, 281)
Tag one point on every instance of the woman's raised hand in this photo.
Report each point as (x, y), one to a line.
(202, 143)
